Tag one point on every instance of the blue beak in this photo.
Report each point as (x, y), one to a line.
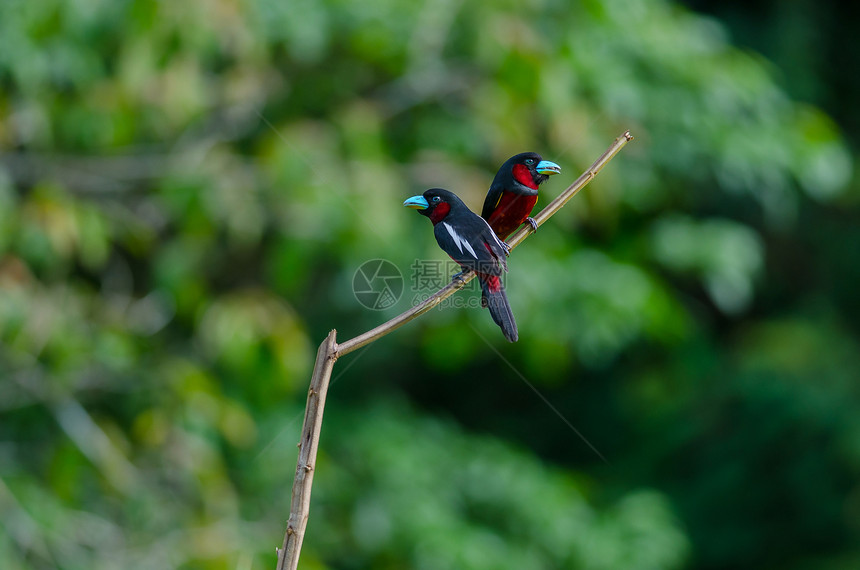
(547, 167)
(417, 203)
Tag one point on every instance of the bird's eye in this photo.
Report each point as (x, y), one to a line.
(530, 161)
(436, 199)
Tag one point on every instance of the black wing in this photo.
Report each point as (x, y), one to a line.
(494, 196)
(472, 244)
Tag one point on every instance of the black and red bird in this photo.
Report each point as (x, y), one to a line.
(468, 239)
(514, 192)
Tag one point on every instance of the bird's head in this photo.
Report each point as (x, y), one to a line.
(527, 169)
(435, 203)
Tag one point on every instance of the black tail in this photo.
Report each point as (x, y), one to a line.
(496, 301)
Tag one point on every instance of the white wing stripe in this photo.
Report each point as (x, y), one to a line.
(469, 247)
(454, 236)
(459, 241)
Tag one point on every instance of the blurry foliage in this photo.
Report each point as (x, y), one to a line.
(457, 501)
(186, 190)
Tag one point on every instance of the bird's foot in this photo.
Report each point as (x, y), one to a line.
(458, 277)
(506, 247)
(531, 221)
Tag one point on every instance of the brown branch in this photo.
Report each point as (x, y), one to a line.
(329, 351)
(301, 498)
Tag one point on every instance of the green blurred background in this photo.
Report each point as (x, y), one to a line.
(187, 189)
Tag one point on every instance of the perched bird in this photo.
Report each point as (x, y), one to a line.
(468, 239)
(514, 190)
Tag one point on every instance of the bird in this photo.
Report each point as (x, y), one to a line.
(468, 239)
(514, 192)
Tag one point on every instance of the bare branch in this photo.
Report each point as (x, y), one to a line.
(288, 555)
(329, 351)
